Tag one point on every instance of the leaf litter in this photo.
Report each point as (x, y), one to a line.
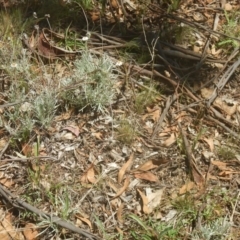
(96, 173)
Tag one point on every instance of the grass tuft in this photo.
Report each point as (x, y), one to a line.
(225, 153)
(144, 99)
(126, 132)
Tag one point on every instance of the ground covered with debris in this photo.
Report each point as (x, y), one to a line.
(120, 120)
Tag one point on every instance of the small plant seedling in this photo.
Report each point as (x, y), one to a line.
(64, 202)
(126, 132)
(232, 29)
(186, 205)
(103, 231)
(225, 153)
(34, 173)
(144, 99)
(173, 5)
(87, 4)
(149, 229)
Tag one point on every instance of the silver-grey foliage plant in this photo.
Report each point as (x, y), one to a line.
(219, 230)
(45, 105)
(94, 80)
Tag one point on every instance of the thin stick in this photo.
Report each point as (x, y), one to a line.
(226, 76)
(169, 102)
(17, 202)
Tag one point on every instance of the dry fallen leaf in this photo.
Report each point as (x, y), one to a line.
(226, 104)
(226, 174)
(225, 170)
(7, 230)
(78, 223)
(89, 175)
(114, 4)
(196, 174)
(119, 231)
(122, 190)
(146, 176)
(216, 52)
(45, 49)
(144, 202)
(209, 141)
(98, 135)
(154, 199)
(111, 185)
(228, 7)
(64, 116)
(150, 164)
(32, 41)
(153, 114)
(73, 129)
(172, 139)
(3, 143)
(186, 187)
(27, 149)
(124, 168)
(115, 203)
(30, 231)
(119, 213)
(94, 16)
(5, 227)
(83, 219)
(220, 165)
(6, 182)
(206, 93)
(36, 167)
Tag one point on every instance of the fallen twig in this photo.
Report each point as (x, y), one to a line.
(4, 149)
(184, 89)
(236, 135)
(20, 204)
(10, 104)
(12, 158)
(169, 102)
(223, 81)
(233, 54)
(195, 173)
(195, 24)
